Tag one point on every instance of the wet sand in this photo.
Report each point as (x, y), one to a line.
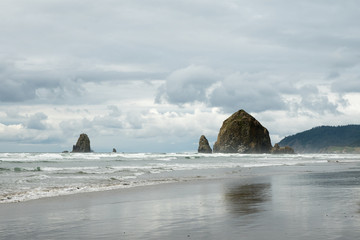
(298, 202)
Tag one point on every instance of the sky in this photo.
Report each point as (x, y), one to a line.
(155, 75)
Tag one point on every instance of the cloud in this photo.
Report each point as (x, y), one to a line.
(347, 81)
(16, 137)
(114, 111)
(36, 121)
(187, 85)
(349, 86)
(68, 67)
(19, 84)
(230, 92)
(313, 100)
(9, 133)
(15, 91)
(253, 92)
(344, 57)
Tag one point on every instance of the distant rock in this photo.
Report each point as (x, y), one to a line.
(65, 151)
(282, 150)
(204, 146)
(242, 133)
(82, 144)
(114, 150)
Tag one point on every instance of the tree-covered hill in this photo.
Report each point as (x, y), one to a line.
(325, 139)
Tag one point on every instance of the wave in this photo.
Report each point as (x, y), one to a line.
(4, 169)
(20, 169)
(26, 176)
(42, 192)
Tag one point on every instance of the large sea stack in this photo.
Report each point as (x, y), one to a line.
(82, 144)
(204, 146)
(242, 133)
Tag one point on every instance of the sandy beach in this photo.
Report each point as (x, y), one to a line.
(288, 202)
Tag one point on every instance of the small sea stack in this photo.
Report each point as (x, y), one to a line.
(114, 150)
(282, 150)
(82, 144)
(204, 146)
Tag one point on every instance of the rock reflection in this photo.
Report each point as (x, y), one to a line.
(248, 199)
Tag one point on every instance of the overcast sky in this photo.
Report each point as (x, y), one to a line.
(154, 75)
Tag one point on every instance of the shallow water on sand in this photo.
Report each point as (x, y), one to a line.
(281, 202)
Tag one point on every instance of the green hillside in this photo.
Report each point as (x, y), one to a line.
(325, 139)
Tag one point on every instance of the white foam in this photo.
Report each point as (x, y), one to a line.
(68, 173)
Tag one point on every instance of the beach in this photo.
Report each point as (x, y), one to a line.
(319, 201)
(179, 120)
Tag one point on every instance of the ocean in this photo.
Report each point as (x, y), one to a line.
(28, 176)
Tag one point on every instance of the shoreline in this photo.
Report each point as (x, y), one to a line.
(318, 201)
(235, 173)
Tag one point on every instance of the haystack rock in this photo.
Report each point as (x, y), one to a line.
(82, 144)
(282, 150)
(204, 146)
(242, 133)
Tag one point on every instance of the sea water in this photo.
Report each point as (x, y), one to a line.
(27, 176)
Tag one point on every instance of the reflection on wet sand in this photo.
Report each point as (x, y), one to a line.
(248, 199)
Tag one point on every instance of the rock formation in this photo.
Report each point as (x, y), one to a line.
(282, 150)
(204, 146)
(242, 133)
(114, 150)
(82, 144)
